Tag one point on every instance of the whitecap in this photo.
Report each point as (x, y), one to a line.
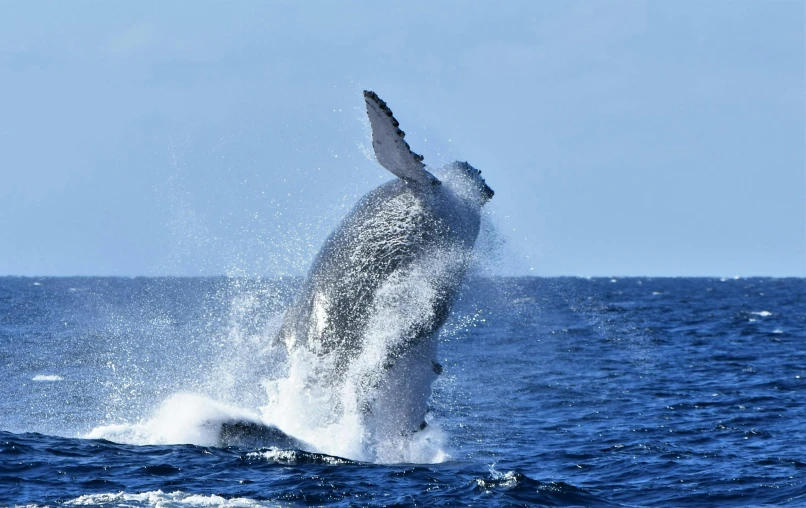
(47, 377)
(160, 498)
(763, 313)
(498, 479)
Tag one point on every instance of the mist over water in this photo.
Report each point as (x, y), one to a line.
(182, 356)
(223, 362)
(163, 389)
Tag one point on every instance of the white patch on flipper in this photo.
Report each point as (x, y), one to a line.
(391, 149)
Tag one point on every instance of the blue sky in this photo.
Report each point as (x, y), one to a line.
(189, 138)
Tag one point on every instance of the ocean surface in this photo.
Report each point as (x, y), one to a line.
(554, 391)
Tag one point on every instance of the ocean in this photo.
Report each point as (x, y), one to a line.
(553, 392)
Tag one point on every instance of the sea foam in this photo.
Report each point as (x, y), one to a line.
(158, 498)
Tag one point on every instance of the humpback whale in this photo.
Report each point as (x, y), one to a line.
(383, 282)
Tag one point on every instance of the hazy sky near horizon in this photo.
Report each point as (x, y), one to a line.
(197, 138)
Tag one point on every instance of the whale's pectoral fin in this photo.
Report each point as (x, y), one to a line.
(250, 434)
(392, 151)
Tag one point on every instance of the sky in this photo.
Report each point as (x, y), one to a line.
(204, 138)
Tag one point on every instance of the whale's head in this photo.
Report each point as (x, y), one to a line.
(470, 178)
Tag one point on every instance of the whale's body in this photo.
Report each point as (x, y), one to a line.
(387, 233)
(384, 281)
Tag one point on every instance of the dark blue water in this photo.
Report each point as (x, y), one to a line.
(558, 392)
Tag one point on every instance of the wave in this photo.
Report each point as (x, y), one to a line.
(512, 486)
(158, 498)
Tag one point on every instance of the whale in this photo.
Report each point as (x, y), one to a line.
(384, 281)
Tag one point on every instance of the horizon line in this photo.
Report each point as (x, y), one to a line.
(505, 276)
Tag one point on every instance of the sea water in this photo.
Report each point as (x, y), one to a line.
(554, 391)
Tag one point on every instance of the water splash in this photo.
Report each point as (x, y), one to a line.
(369, 412)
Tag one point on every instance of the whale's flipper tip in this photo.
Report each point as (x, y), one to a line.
(391, 149)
